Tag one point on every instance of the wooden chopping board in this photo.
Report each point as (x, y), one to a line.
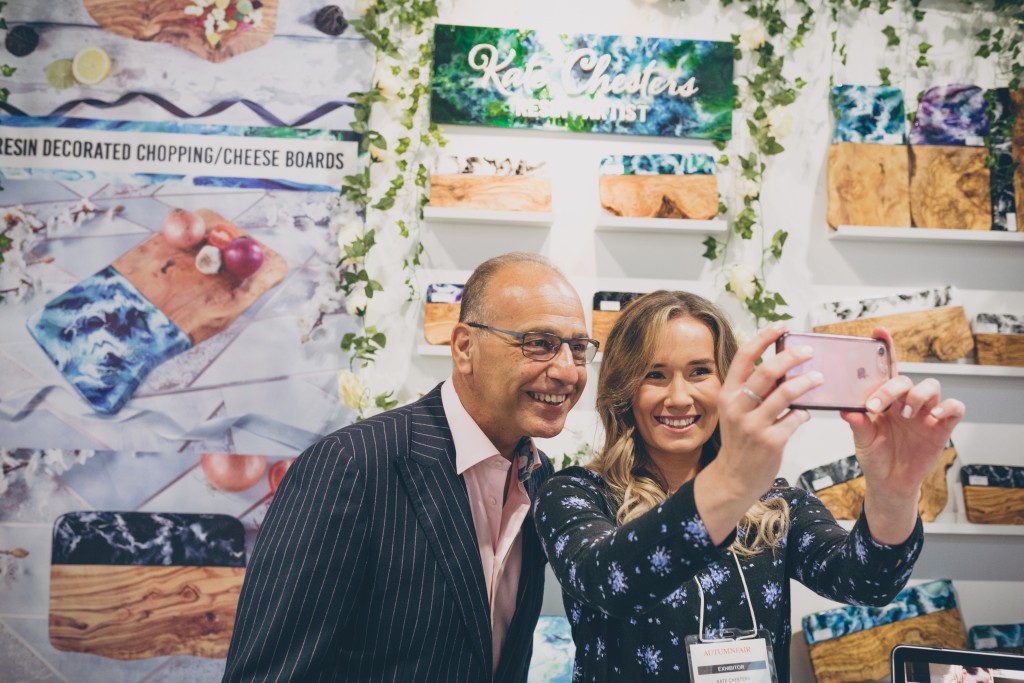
(660, 196)
(133, 612)
(864, 656)
(201, 305)
(491, 193)
(868, 185)
(165, 21)
(950, 187)
(942, 333)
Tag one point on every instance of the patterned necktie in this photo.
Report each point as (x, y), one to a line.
(524, 458)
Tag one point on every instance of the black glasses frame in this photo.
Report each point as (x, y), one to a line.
(592, 344)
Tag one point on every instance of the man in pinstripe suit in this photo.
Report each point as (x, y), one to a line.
(400, 548)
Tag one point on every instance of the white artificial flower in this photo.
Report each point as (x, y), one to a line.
(363, 5)
(742, 282)
(383, 156)
(355, 302)
(752, 38)
(351, 390)
(749, 188)
(780, 122)
(389, 84)
(348, 232)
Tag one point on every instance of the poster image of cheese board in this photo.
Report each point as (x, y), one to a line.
(169, 293)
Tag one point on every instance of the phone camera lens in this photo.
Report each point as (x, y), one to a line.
(881, 350)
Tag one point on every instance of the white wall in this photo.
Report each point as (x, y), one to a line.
(987, 570)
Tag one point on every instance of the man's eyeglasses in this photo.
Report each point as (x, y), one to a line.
(543, 346)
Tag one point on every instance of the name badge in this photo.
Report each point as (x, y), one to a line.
(744, 659)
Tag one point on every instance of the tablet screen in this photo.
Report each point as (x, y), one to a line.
(914, 664)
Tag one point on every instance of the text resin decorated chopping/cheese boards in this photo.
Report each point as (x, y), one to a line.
(659, 186)
(608, 307)
(133, 585)
(166, 21)
(108, 332)
(999, 338)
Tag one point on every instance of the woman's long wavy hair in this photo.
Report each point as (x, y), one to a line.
(623, 462)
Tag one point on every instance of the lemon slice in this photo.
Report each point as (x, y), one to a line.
(91, 65)
(59, 75)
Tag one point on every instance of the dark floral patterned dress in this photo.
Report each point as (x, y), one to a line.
(630, 594)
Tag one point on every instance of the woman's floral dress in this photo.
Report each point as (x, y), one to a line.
(630, 593)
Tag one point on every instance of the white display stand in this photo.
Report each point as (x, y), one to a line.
(606, 223)
(480, 217)
(931, 235)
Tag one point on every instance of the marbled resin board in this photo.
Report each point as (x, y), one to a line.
(840, 486)
(659, 186)
(607, 309)
(997, 637)
(853, 643)
(999, 339)
(108, 332)
(134, 585)
(1002, 117)
(104, 337)
(951, 115)
(872, 114)
(490, 184)
(993, 494)
(441, 312)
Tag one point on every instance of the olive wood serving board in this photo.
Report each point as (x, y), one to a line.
(1000, 349)
(864, 655)
(693, 196)
(490, 193)
(943, 333)
(950, 187)
(165, 21)
(132, 612)
(201, 305)
(868, 185)
(438, 322)
(845, 500)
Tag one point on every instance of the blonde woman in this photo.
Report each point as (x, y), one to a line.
(682, 507)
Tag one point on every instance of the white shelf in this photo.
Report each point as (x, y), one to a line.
(436, 214)
(963, 369)
(434, 350)
(607, 222)
(961, 528)
(862, 233)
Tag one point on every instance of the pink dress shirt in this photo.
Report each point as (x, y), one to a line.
(499, 503)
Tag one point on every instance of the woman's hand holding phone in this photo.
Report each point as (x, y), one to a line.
(897, 442)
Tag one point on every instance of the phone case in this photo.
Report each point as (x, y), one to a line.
(853, 368)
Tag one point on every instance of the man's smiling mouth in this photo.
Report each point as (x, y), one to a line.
(552, 399)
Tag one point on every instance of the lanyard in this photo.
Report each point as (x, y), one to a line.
(750, 604)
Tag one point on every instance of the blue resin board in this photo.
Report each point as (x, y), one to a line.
(108, 332)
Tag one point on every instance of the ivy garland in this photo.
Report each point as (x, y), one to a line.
(402, 33)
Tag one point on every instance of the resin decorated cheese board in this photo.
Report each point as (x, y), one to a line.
(252, 24)
(134, 585)
(110, 330)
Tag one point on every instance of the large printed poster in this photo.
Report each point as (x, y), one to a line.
(169, 334)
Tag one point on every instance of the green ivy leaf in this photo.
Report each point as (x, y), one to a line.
(778, 241)
(924, 47)
(710, 248)
(890, 33)
(922, 61)
(883, 76)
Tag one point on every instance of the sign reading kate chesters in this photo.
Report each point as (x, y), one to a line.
(582, 82)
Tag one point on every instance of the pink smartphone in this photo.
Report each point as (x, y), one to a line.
(853, 368)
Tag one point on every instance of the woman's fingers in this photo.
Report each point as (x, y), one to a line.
(745, 360)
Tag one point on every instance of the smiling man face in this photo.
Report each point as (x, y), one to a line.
(507, 394)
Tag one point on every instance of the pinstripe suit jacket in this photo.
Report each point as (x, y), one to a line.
(367, 567)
